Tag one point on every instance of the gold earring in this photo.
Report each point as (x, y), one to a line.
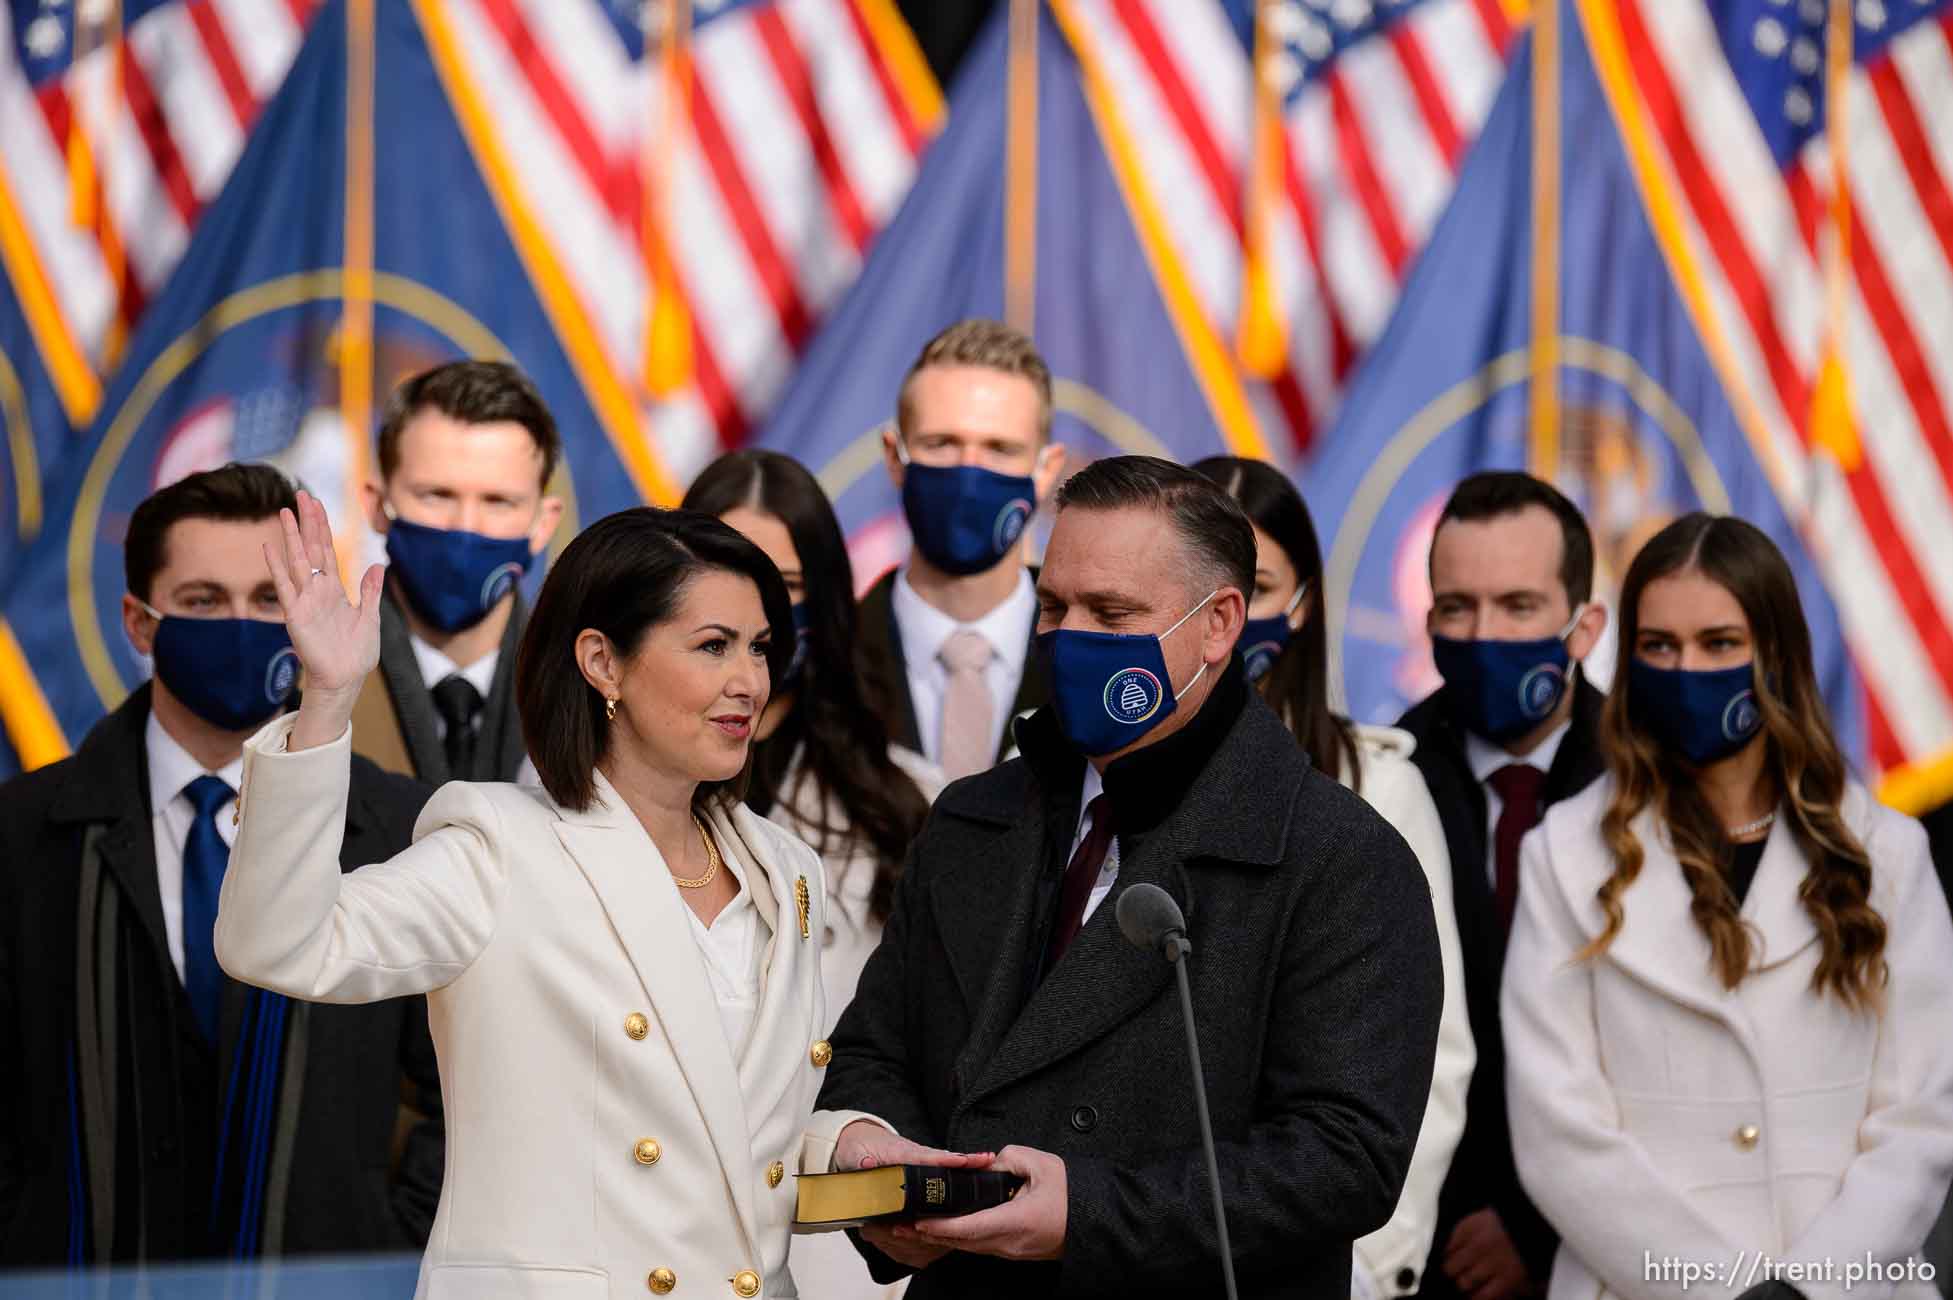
(610, 709)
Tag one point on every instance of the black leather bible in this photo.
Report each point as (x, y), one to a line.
(830, 1202)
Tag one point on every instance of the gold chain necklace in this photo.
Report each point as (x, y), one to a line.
(711, 859)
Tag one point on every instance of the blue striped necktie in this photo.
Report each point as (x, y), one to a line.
(205, 855)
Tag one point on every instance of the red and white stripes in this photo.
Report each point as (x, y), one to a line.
(1373, 152)
(800, 146)
(1880, 527)
(164, 115)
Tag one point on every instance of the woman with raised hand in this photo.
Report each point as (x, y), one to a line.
(1286, 650)
(823, 767)
(622, 968)
(1730, 977)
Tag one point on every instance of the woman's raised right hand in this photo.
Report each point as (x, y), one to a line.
(337, 642)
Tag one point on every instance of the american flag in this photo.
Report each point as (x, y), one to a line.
(118, 123)
(1379, 100)
(805, 121)
(799, 141)
(1732, 99)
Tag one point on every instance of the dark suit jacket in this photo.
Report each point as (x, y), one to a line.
(1315, 980)
(884, 671)
(1939, 833)
(396, 725)
(110, 1096)
(1482, 1172)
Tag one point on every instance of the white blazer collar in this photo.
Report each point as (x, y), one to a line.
(1660, 944)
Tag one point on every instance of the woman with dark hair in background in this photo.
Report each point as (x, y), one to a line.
(1286, 649)
(1730, 978)
(621, 968)
(823, 766)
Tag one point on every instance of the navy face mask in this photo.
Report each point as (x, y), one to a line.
(1702, 714)
(1264, 639)
(232, 672)
(964, 519)
(802, 621)
(1111, 688)
(1502, 689)
(453, 578)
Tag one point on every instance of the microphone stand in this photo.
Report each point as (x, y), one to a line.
(1176, 945)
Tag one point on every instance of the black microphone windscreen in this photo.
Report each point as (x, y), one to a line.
(1147, 914)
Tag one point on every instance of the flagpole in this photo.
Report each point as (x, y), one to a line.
(355, 348)
(1261, 335)
(1021, 169)
(667, 359)
(1543, 396)
(88, 181)
(1832, 424)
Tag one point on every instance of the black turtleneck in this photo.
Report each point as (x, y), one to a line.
(1147, 785)
(1144, 786)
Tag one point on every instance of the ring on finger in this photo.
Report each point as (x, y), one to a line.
(317, 572)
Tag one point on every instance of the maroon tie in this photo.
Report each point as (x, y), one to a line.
(1079, 877)
(1518, 786)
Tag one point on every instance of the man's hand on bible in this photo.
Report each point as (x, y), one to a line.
(1031, 1226)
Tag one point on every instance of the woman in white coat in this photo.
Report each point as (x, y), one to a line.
(621, 968)
(823, 767)
(1729, 984)
(1285, 648)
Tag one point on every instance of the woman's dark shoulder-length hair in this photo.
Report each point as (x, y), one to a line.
(1297, 687)
(623, 575)
(841, 743)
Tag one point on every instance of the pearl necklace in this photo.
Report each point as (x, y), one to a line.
(1762, 823)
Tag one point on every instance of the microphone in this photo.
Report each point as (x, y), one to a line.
(1150, 919)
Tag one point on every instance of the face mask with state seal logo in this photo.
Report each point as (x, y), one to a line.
(453, 578)
(1111, 688)
(964, 518)
(232, 672)
(1703, 714)
(1503, 689)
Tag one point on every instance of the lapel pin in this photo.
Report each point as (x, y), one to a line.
(803, 901)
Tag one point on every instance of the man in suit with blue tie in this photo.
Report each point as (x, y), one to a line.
(151, 1109)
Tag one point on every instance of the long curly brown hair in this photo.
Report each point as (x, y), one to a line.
(1802, 760)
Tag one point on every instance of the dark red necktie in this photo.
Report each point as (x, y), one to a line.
(1080, 875)
(1518, 786)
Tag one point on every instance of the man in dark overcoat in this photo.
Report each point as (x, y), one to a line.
(1005, 1012)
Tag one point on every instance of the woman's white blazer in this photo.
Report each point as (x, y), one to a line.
(1665, 1124)
(599, 1126)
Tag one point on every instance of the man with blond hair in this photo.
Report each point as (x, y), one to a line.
(945, 640)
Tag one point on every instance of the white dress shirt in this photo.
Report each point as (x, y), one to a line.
(1486, 758)
(1109, 869)
(170, 816)
(436, 667)
(923, 629)
(733, 948)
